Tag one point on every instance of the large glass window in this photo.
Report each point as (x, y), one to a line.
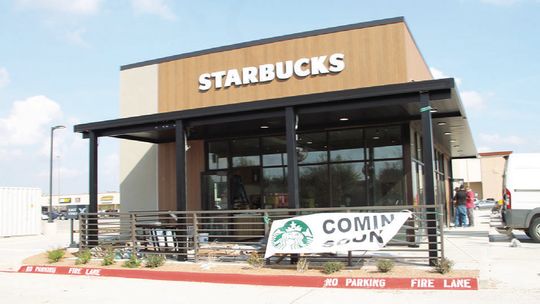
(275, 187)
(274, 150)
(388, 182)
(312, 148)
(218, 153)
(245, 152)
(314, 186)
(346, 145)
(385, 142)
(348, 184)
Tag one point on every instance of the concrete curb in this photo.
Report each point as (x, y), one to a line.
(466, 283)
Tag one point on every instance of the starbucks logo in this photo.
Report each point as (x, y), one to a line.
(294, 234)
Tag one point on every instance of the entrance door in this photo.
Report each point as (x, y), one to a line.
(216, 190)
(234, 189)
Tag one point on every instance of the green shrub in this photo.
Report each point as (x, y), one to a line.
(108, 258)
(83, 257)
(302, 265)
(133, 262)
(154, 260)
(255, 260)
(55, 255)
(385, 265)
(444, 266)
(331, 267)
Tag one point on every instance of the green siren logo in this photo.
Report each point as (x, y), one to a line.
(294, 234)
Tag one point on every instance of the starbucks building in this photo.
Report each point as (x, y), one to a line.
(338, 117)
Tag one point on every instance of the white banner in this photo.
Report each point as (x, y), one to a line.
(334, 232)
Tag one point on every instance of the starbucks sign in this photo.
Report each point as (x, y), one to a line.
(334, 232)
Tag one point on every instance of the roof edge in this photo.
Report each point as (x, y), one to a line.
(358, 93)
(266, 41)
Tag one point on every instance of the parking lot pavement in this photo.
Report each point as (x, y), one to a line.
(13, 250)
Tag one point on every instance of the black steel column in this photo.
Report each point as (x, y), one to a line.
(92, 230)
(429, 181)
(292, 159)
(181, 204)
(181, 197)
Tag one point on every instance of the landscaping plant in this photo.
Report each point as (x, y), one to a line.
(108, 258)
(331, 267)
(302, 265)
(154, 260)
(83, 257)
(385, 265)
(55, 255)
(255, 260)
(133, 262)
(444, 266)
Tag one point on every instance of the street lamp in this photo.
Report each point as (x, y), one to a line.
(51, 171)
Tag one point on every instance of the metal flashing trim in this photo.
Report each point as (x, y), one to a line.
(329, 30)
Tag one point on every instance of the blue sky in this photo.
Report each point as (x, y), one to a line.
(60, 59)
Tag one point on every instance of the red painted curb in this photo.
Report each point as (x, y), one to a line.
(467, 283)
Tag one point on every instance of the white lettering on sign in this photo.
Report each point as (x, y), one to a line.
(301, 68)
(365, 282)
(423, 283)
(330, 282)
(45, 269)
(92, 272)
(457, 283)
(74, 271)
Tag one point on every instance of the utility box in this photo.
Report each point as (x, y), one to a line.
(20, 211)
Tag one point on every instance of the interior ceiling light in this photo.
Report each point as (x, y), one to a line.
(441, 123)
(265, 127)
(434, 110)
(376, 137)
(309, 142)
(344, 118)
(447, 133)
(453, 140)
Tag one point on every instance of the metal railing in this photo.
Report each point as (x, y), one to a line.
(234, 234)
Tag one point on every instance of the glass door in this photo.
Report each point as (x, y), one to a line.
(216, 194)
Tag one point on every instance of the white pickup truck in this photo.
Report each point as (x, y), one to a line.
(521, 191)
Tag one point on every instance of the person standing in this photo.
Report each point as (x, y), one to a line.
(460, 199)
(470, 206)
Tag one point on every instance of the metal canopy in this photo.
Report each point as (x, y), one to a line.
(386, 104)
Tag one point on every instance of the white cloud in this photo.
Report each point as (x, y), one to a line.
(497, 140)
(438, 74)
(473, 100)
(76, 37)
(4, 77)
(153, 7)
(78, 7)
(28, 121)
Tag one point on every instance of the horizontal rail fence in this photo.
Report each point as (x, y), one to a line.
(233, 235)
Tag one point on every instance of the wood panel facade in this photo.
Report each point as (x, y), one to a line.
(378, 55)
(373, 56)
(167, 175)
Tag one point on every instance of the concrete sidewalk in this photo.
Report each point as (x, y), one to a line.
(13, 250)
(500, 265)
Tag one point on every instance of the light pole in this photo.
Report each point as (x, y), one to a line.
(51, 171)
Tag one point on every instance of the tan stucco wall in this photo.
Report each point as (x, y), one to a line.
(492, 176)
(138, 160)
